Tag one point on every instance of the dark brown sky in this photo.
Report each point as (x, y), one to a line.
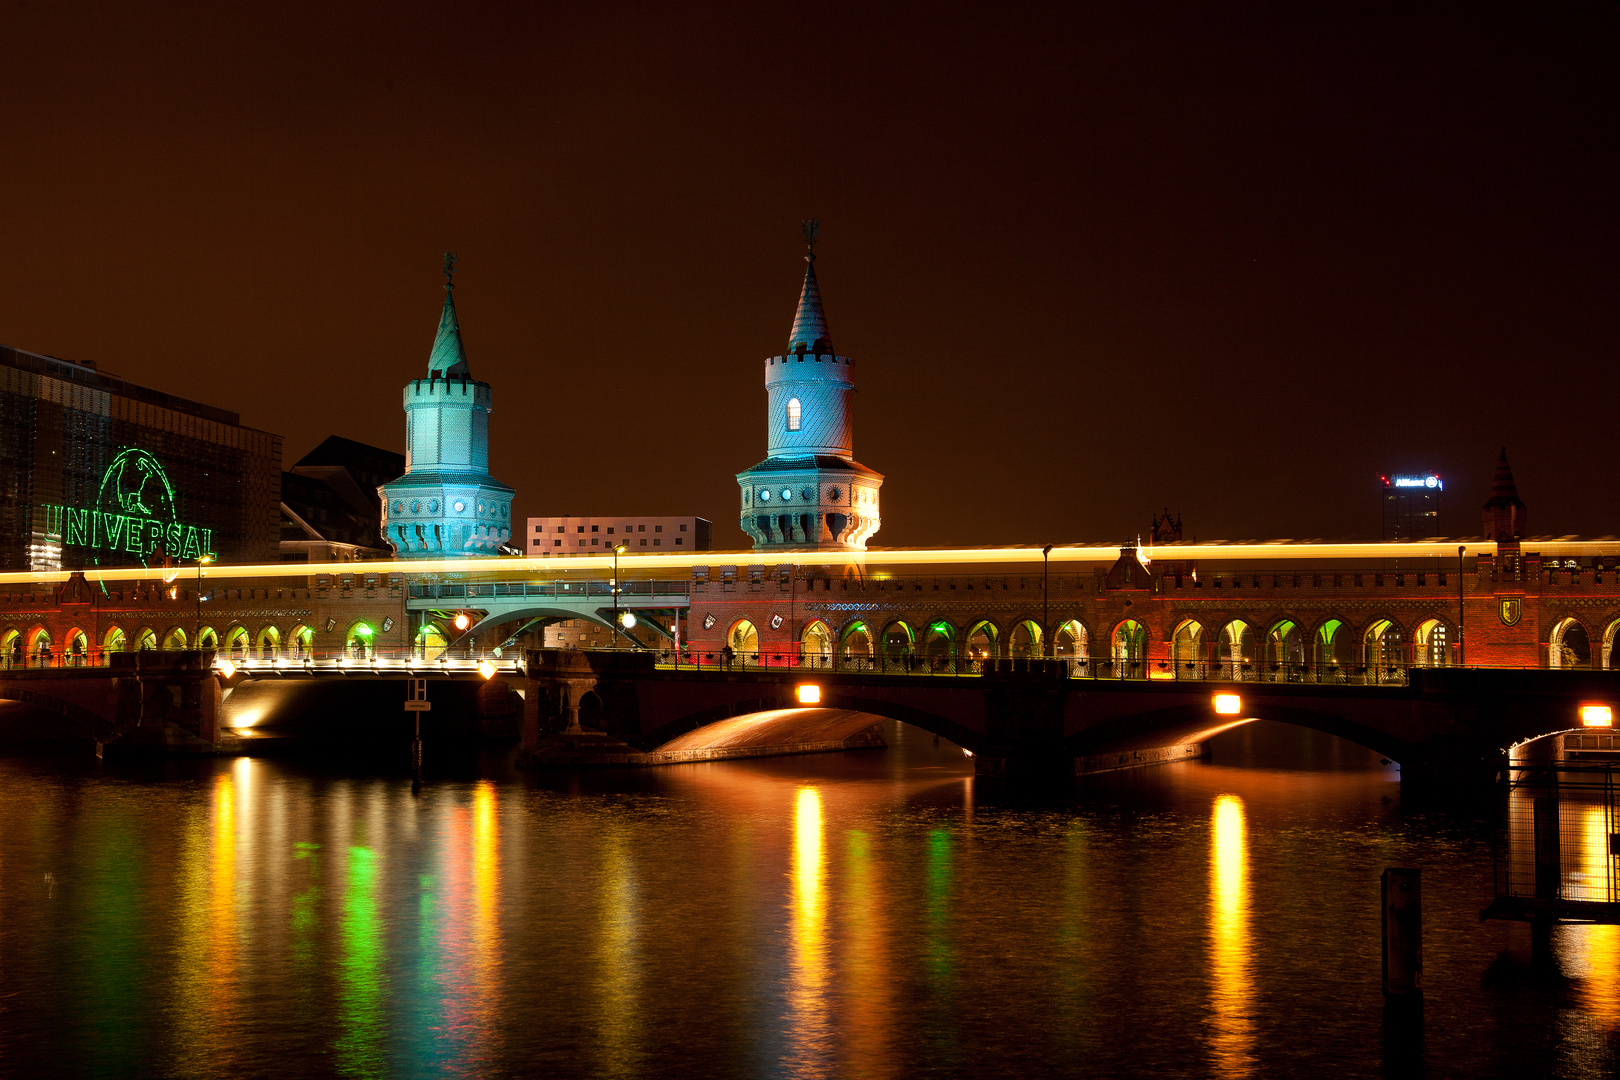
(1234, 259)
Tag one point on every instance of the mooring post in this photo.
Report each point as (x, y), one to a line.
(1403, 934)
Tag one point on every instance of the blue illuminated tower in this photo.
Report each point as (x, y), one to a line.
(809, 494)
(447, 505)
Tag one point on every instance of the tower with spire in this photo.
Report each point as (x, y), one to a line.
(809, 494)
(447, 505)
(1504, 510)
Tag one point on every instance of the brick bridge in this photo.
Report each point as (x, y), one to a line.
(1444, 725)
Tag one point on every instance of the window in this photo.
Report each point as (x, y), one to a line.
(644, 543)
(677, 541)
(556, 543)
(656, 543)
(539, 528)
(582, 541)
(658, 528)
(683, 528)
(641, 528)
(594, 541)
(582, 528)
(537, 543)
(560, 528)
(593, 528)
(793, 414)
(610, 530)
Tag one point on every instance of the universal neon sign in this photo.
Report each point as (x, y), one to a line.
(135, 513)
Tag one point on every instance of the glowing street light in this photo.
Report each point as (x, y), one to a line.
(809, 694)
(618, 549)
(1228, 704)
(486, 669)
(1597, 716)
(462, 621)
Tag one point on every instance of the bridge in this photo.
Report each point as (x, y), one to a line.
(1034, 718)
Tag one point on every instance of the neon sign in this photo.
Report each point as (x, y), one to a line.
(134, 513)
(1418, 481)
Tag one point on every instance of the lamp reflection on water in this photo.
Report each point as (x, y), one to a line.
(1231, 975)
(809, 1033)
(1597, 947)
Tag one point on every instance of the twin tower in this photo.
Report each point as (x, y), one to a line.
(809, 494)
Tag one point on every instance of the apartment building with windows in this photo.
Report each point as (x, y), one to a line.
(558, 536)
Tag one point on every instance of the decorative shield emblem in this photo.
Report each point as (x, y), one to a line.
(776, 622)
(708, 622)
(1509, 610)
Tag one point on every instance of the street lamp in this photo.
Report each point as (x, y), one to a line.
(1046, 604)
(196, 634)
(618, 627)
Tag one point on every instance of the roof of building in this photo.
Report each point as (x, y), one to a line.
(448, 358)
(810, 331)
(1503, 491)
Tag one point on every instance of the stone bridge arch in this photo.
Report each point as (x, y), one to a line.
(863, 713)
(1195, 722)
(80, 720)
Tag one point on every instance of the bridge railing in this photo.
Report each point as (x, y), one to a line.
(565, 590)
(1096, 668)
(1555, 851)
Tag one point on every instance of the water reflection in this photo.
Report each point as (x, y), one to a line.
(1231, 982)
(619, 985)
(809, 1027)
(866, 1041)
(359, 1045)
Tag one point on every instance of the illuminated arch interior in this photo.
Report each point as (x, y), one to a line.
(113, 641)
(857, 639)
(1327, 644)
(77, 644)
(11, 643)
(39, 643)
(1431, 644)
(1187, 644)
(1069, 643)
(175, 638)
(1130, 641)
(1568, 646)
(981, 640)
(1283, 645)
(207, 638)
(898, 640)
(357, 642)
(1025, 639)
(1382, 645)
(269, 641)
(236, 641)
(145, 639)
(816, 642)
(939, 644)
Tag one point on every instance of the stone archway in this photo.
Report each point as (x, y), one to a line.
(1568, 646)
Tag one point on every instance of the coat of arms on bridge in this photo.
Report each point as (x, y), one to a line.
(1508, 610)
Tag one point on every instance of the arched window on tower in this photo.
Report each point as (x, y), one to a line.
(793, 414)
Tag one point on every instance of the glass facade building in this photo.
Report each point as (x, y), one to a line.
(95, 471)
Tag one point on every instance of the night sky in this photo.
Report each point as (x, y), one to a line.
(1237, 260)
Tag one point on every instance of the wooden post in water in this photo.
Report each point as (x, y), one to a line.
(1402, 891)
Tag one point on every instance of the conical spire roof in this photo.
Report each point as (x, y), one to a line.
(448, 357)
(1503, 491)
(810, 322)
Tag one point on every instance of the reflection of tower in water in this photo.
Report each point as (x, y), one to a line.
(1231, 979)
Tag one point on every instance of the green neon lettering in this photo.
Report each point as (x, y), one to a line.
(76, 526)
(190, 550)
(134, 535)
(115, 530)
(154, 537)
(208, 543)
(171, 538)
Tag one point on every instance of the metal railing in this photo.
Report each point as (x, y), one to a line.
(1557, 845)
(565, 590)
(431, 658)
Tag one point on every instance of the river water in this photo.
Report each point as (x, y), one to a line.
(867, 914)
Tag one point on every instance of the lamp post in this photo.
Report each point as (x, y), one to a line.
(618, 627)
(1046, 604)
(1462, 549)
(196, 633)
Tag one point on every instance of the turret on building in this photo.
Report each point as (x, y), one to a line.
(447, 505)
(809, 494)
(1504, 511)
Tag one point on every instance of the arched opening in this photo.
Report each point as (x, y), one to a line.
(743, 640)
(1325, 657)
(899, 644)
(1431, 644)
(207, 638)
(981, 641)
(816, 645)
(175, 638)
(1236, 646)
(357, 642)
(1381, 651)
(1609, 642)
(1025, 640)
(430, 643)
(268, 643)
(1187, 650)
(857, 648)
(112, 641)
(11, 648)
(146, 639)
(1070, 643)
(236, 643)
(1568, 646)
(1129, 649)
(76, 647)
(793, 414)
(39, 647)
(1285, 653)
(301, 641)
(940, 645)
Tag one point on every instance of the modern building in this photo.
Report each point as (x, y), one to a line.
(330, 507)
(1411, 506)
(446, 504)
(809, 494)
(99, 472)
(548, 536)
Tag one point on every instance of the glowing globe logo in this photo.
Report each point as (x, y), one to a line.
(135, 485)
